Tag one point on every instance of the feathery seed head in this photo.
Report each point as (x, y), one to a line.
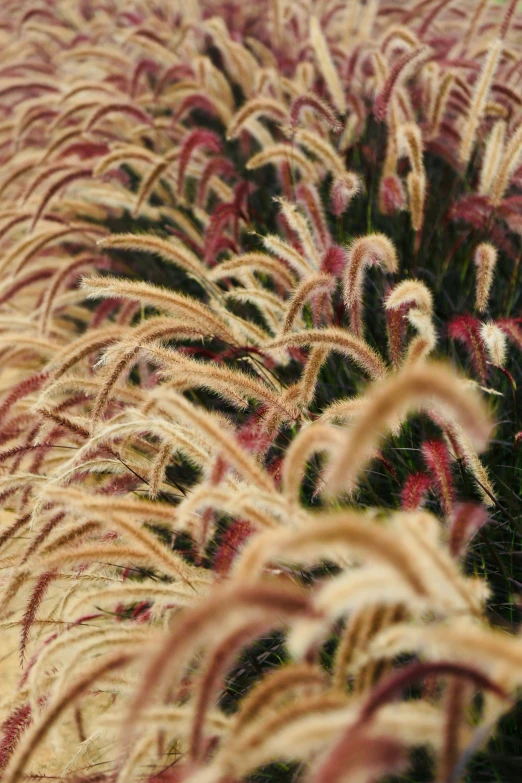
(495, 341)
(343, 190)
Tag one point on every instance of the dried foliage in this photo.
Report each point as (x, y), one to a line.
(257, 495)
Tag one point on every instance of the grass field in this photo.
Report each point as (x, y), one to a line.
(261, 439)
